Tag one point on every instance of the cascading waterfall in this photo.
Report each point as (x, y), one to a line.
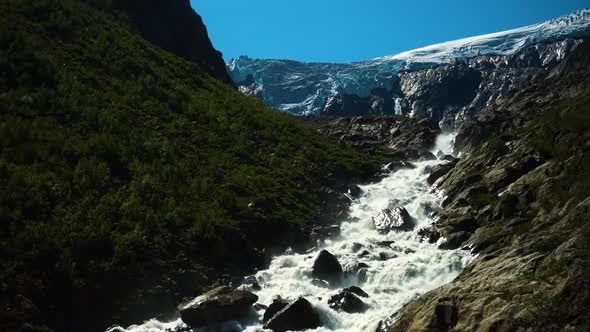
(400, 267)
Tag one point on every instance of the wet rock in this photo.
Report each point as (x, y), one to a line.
(356, 290)
(277, 305)
(356, 266)
(320, 283)
(429, 234)
(384, 256)
(347, 301)
(397, 219)
(428, 208)
(364, 253)
(321, 232)
(218, 305)
(355, 191)
(259, 306)
(356, 247)
(395, 166)
(252, 282)
(327, 267)
(296, 316)
(448, 157)
(427, 155)
(357, 270)
(439, 171)
(387, 244)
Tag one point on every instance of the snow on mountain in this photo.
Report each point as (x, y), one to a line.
(305, 87)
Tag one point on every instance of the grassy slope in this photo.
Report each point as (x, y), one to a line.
(119, 161)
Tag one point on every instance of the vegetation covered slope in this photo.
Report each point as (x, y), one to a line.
(520, 198)
(121, 163)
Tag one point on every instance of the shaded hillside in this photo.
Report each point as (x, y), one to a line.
(173, 26)
(520, 198)
(127, 172)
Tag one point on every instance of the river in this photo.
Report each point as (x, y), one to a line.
(400, 266)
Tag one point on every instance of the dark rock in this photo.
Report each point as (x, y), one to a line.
(428, 208)
(252, 282)
(299, 315)
(439, 171)
(177, 28)
(356, 247)
(327, 267)
(355, 191)
(448, 157)
(427, 155)
(384, 256)
(397, 219)
(357, 270)
(347, 301)
(218, 305)
(322, 232)
(259, 306)
(395, 166)
(376, 132)
(430, 234)
(387, 244)
(356, 290)
(320, 283)
(277, 305)
(364, 253)
(445, 317)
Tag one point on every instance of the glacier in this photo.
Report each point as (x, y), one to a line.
(306, 88)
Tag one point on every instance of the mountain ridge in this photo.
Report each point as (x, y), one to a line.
(305, 88)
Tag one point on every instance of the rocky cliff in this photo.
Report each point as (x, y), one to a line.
(177, 28)
(448, 82)
(519, 198)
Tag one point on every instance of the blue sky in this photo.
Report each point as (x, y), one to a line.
(354, 30)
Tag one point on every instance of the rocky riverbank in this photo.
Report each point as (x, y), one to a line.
(519, 198)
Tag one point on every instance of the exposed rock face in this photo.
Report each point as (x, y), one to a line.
(397, 219)
(176, 27)
(218, 305)
(327, 267)
(380, 102)
(520, 198)
(371, 132)
(449, 83)
(296, 316)
(440, 170)
(457, 92)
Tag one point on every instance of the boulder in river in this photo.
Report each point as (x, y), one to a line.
(355, 191)
(327, 267)
(356, 290)
(218, 305)
(397, 219)
(277, 305)
(296, 316)
(347, 301)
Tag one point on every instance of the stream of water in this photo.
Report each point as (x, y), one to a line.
(397, 272)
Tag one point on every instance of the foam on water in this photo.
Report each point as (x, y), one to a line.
(417, 267)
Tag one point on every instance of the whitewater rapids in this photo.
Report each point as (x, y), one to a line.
(417, 268)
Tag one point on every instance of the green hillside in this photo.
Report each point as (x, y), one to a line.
(120, 162)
